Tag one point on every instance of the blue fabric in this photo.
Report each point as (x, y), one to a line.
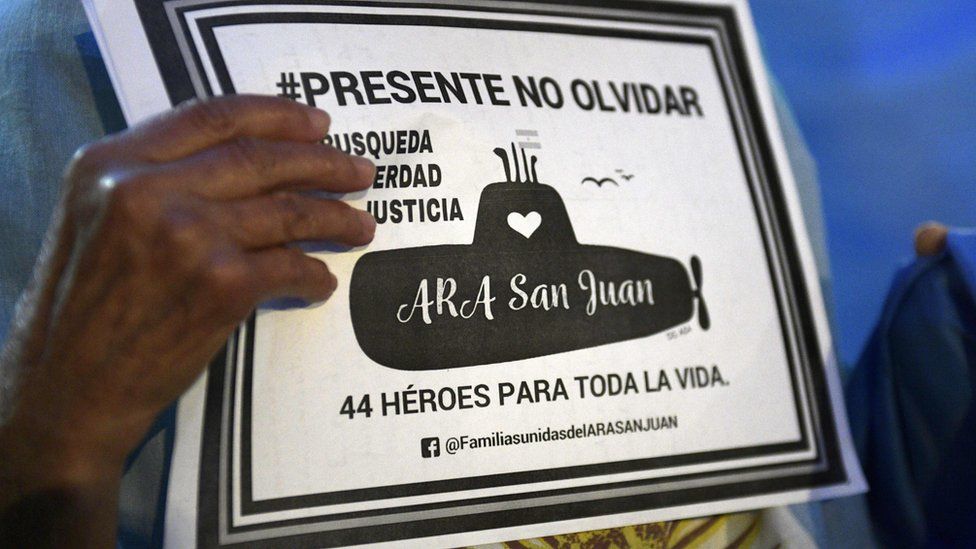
(46, 112)
(912, 403)
(884, 93)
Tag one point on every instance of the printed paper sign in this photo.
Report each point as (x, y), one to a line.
(590, 301)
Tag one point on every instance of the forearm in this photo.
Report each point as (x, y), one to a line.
(60, 516)
(55, 491)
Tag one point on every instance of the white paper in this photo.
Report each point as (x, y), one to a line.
(629, 328)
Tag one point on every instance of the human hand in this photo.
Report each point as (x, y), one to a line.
(166, 237)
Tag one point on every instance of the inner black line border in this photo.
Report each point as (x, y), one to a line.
(178, 90)
(251, 506)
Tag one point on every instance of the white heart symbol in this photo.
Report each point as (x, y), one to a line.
(524, 225)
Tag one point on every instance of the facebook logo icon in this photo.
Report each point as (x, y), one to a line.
(430, 447)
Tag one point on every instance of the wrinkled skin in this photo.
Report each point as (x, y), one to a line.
(165, 238)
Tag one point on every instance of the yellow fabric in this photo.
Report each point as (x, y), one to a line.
(719, 532)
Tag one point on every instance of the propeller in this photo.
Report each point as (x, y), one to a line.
(696, 272)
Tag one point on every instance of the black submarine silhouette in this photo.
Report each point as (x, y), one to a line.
(523, 238)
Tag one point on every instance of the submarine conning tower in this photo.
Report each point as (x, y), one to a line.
(522, 194)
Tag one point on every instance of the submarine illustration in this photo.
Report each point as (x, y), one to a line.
(525, 287)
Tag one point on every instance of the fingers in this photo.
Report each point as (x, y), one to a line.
(289, 272)
(197, 125)
(281, 218)
(238, 160)
(247, 167)
(930, 238)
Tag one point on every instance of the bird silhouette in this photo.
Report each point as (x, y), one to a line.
(598, 182)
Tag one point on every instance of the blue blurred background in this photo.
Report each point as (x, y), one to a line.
(885, 93)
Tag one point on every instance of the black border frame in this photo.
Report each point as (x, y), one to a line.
(179, 87)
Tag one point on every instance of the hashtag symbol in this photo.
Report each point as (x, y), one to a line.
(289, 86)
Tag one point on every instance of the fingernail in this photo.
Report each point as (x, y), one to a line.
(335, 283)
(320, 121)
(365, 167)
(369, 223)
